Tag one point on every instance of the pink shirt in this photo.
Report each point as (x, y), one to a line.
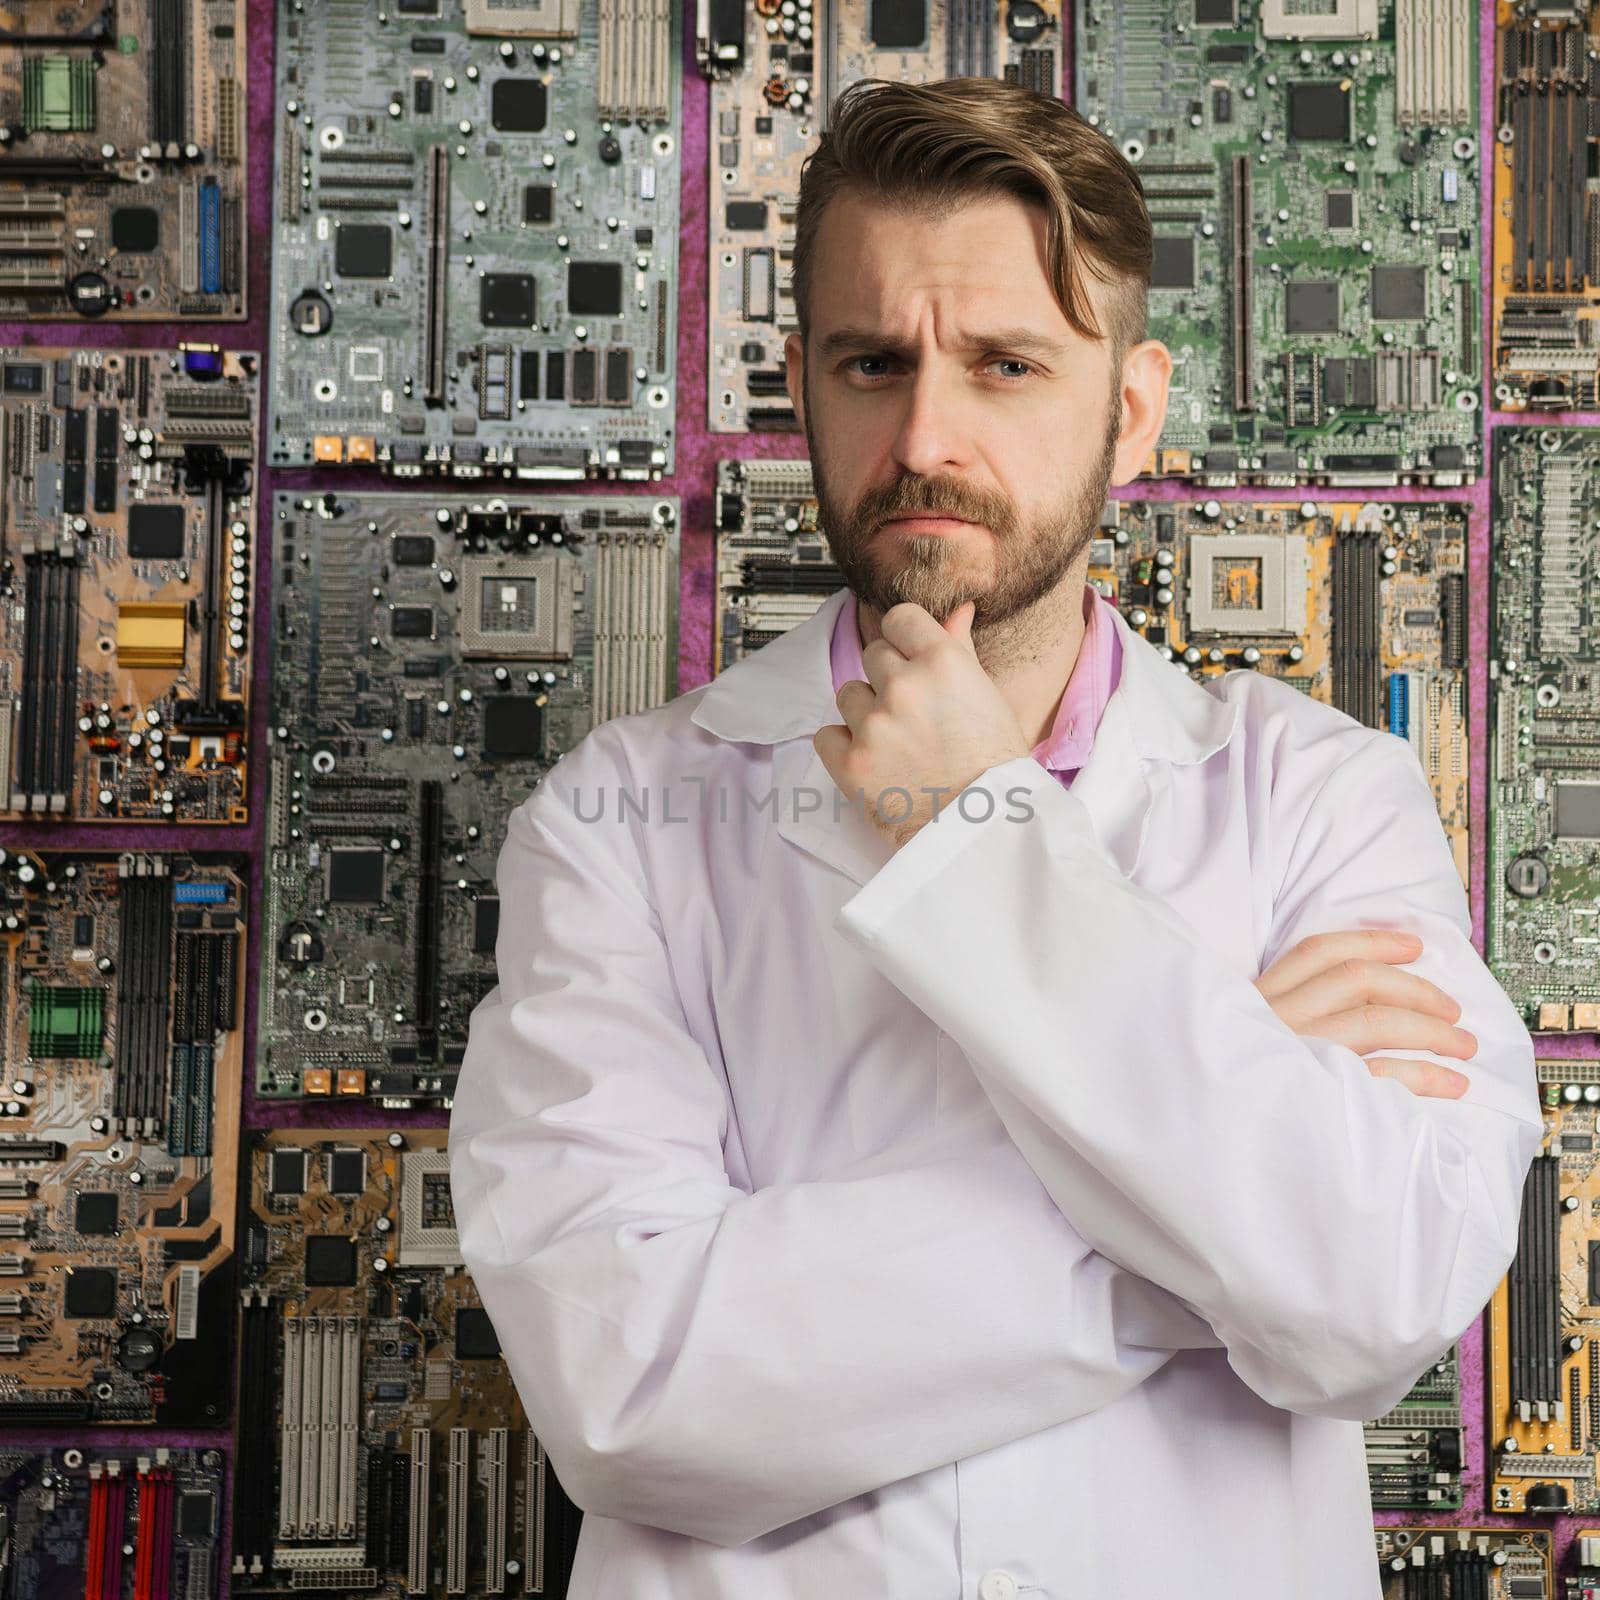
(1094, 676)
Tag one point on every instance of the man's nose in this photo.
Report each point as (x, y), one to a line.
(932, 433)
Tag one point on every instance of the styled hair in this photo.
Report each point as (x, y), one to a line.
(928, 147)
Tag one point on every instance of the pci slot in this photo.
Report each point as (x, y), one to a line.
(1357, 658)
(1534, 1298)
(48, 723)
(533, 1518)
(144, 954)
(349, 1423)
(1241, 291)
(436, 208)
(970, 29)
(497, 1520)
(289, 1429)
(455, 1532)
(329, 1391)
(418, 1539)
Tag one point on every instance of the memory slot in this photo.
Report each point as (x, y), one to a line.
(436, 209)
(1357, 657)
(144, 955)
(168, 50)
(152, 1560)
(1534, 1295)
(252, 1516)
(1240, 289)
(48, 720)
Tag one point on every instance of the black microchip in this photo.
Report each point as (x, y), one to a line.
(528, 375)
(412, 549)
(428, 44)
(24, 377)
(619, 377)
(1318, 113)
(476, 1339)
(744, 215)
(197, 1514)
(1215, 13)
(155, 532)
(1174, 262)
(899, 24)
(538, 202)
(1577, 810)
(1450, 457)
(355, 877)
(506, 300)
(330, 1261)
(91, 1291)
(422, 96)
(419, 8)
(363, 250)
(555, 374)
(136, 230)
(411, 622)
(485, 923)
(513, 727)
(1399, 292)
(1339, 208)
(287, 1172)
(1350, 381)
(518, 105)
(347, 1172)
(1311, 305)
(594, 288)
(96, 1212)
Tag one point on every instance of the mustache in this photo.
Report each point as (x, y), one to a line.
(934, 497)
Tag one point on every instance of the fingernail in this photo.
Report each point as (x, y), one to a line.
(1469, 1045)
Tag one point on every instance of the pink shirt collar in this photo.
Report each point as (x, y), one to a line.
(1094, 678)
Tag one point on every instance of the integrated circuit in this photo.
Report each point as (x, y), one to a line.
(477, 218)
(1491, 1563)
(127, 534)
(434, 658)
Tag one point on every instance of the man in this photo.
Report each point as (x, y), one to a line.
(968, 1110)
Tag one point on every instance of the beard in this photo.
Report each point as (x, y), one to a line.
(929, 569)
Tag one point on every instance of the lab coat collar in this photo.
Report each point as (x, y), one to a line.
(1157, 718)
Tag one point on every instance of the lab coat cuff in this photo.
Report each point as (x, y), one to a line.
(996, 811)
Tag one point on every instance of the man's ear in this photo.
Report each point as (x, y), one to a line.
(794, 356)
(1146, 375)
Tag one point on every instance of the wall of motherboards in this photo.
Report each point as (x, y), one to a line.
(391, 389)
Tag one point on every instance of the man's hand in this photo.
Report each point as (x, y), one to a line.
(928, 721)
(1344, 987)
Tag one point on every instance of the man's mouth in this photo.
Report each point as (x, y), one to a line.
(928, 516)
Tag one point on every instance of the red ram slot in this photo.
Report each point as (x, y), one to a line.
(107, 1509)
(153, 1551)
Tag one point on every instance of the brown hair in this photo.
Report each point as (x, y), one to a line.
(925, 147)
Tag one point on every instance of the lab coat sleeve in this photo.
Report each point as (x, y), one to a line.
(715, 1362)
(1337, 1231)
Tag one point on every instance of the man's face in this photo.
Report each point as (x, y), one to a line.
(942, 377)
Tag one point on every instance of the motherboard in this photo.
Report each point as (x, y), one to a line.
(81, 1524)
(433, 656)
(1543, 1354)
(121, 1020)
(382, 1449)
(1415, 1452)
(1311, 172)
(1359, 604)
(476, 246)
(1546, 248)
(1464, 1564)
(1543, 885)
(127, 533)
(775, 69)
(122, 172)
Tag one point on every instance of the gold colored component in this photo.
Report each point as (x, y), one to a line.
(361, 448)
(352, 1080)
(317, 1080)
(1586, 1017)
(328, 447)
(150, 633)
(1553, 1017)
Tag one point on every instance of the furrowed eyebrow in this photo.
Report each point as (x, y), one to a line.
(1025, 342)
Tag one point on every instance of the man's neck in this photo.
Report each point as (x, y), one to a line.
(1030, 656)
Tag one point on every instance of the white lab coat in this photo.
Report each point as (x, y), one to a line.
(961, 1221)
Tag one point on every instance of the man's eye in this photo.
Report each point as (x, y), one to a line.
(1013, 361)
(882, 361)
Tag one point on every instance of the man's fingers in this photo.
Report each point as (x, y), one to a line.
(854, 700)
(1324, 950)
(1426, 1078)
(1392, 1027)
(1355, 983)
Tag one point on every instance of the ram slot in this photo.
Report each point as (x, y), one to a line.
(349, 1422)
(167, 48)
(289, 1428)
(1357, 660)
(1534, 1295)
(436, 210)
(153, 1551)
(144, 954)
(108, 1502)
(418, 1538)
(252, 1513)
(1241, 291)
(329, 1392)
(455, 1532)
(48, 727)
(430, 863)
(496, 1518)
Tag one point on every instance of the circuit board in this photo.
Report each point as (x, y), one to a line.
(1464, 1564)
(382, 1448)
(476, 244)
(1544, 1320)
(1546, 252)
(1415, 1451)
(775, 71)
(122, 173)
(86, 1523)
(1360, 605)
(127, 532)
(433, 656)
(1583, 1583)
(1544, 705)
(121, 1016)
(1312, 177)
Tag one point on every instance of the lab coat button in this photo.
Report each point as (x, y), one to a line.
(997, 1586)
